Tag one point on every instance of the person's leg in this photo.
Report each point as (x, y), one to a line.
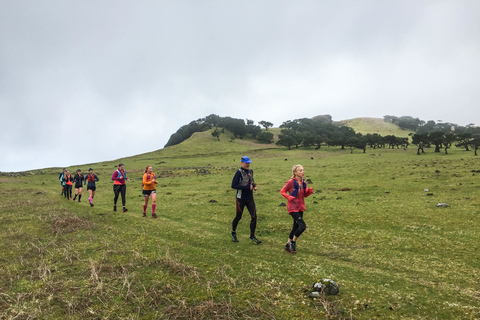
(294, 227)
(80, 193)
(253, 214)
(252, 209)
(239, 206)
(90, 196)
(145, 204)
(116, 191)
(123, 192)
(300, 228)
(154, 203)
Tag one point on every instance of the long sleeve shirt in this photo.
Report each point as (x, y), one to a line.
(119, 177)
(149, 181)
(296, 194)
(242, 181)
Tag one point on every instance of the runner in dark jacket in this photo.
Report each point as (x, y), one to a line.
(244, 183)
(78, 178)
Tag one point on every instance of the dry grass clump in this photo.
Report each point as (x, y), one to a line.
(63, 225)
(212, 310)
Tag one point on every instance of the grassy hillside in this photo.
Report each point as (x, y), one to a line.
(370, 226)
(375, 125)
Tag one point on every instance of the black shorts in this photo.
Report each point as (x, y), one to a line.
(147, 193)
(93, 188)
(78, 186)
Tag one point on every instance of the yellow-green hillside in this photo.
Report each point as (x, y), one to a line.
(375, 125)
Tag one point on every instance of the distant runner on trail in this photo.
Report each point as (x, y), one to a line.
(119, 187)
(60, 177)
(78, 178)
(68, 180)
(91, 178)
(245, 184)
(296, 190)
(149, 190)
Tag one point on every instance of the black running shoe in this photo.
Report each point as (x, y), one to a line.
(292, 247)
(125, 210)
(287, 247)
(74, 198)
(114, 208)
(255, 240)
(91, 204)
(144, 214)
(234, 236)
(154, 215)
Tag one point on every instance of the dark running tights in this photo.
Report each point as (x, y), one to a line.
(119, 189)
(240, 205)
(298, 224)
(67, 191)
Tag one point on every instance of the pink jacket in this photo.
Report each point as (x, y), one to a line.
(295, 204)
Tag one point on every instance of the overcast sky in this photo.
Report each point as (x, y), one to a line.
(87, 81)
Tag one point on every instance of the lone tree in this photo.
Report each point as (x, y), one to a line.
(265, 124)
(216, 134)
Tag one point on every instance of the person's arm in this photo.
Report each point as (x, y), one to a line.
(96, 178)
(115, 175)
(308, 192)
(145, 182)
(253, 182)
(286, 188)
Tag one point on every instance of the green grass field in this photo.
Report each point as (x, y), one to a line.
(394, 253)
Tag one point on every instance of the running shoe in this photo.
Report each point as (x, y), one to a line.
(255, 240)
(287, 247)
(91, 204)
(234, 236)
(144, 214)
(125, 210)
(154, 215)
(114, 208)
(74, 198)
(292, 247)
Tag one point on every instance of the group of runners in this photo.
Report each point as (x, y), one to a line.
(295, 191)
(119, 178)
(67, 182)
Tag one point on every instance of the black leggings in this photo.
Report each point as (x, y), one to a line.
(240, 205)
(119, 189)
(298, 224)
(67, 191)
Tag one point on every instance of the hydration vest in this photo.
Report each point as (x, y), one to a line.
(245, 179)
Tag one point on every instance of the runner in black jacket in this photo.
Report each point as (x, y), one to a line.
(78, 178)
(244, 183)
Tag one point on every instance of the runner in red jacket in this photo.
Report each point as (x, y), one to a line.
(296, 190)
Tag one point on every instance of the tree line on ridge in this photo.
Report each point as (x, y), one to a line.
(322, 131)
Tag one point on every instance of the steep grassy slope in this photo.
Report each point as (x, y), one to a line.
(371, 227)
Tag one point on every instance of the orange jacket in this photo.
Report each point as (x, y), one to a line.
(149, 181)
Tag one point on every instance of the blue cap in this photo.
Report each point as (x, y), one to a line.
(246, 159)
